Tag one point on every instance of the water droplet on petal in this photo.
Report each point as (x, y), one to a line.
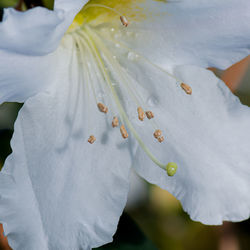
(117, 35)
(132, 56)
(100, 94)
(129, 33)
(152, 101)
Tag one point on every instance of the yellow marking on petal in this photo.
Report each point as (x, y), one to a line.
(129, 10)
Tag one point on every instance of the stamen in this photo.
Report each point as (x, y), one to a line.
(87, 34)
(115, 122)
(124, 132)
(102, 108)
(171, 168)
(186, 88)
(141, 114)
(91, 139)
(150, 114)
(157, 133)
(124, 21)
(160, 139)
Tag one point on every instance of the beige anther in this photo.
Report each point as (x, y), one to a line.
(91, 139)
(150, 114)
(141, 114)
(160, 139)
(102, 108)
(157, 133)
(186, 88)
(124, 132)
(124, 21)
(115, 122)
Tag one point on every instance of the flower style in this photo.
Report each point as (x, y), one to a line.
(121, 84)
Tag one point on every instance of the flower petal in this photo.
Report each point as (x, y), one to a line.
(207, 135)
(65, 193)
(200, 32)
(23, 76)
(37, 31)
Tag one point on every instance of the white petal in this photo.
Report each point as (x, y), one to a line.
(37, 31)
(23, 76)
(206, 33)
(67, 193)
(207, 135)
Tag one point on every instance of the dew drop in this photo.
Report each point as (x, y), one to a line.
(117, 35)
(132, 56)
(152, 101)
(100, 94)
(129, 33)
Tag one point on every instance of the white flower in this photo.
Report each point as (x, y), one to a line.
(57, 191)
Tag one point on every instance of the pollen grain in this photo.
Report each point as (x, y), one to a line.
(115, 122)
(91, 139)
(157, 133)
(141, 114)
(150, 114)
(102, 108)
(160, 139)
(124, 132)
(186, 88)
(124, 21)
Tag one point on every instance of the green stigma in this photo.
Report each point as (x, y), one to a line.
(171, 168)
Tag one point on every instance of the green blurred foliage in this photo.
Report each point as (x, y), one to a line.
(48, 3)
(11, 3)
(7, 3)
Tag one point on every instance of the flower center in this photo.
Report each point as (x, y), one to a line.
(105, 62)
